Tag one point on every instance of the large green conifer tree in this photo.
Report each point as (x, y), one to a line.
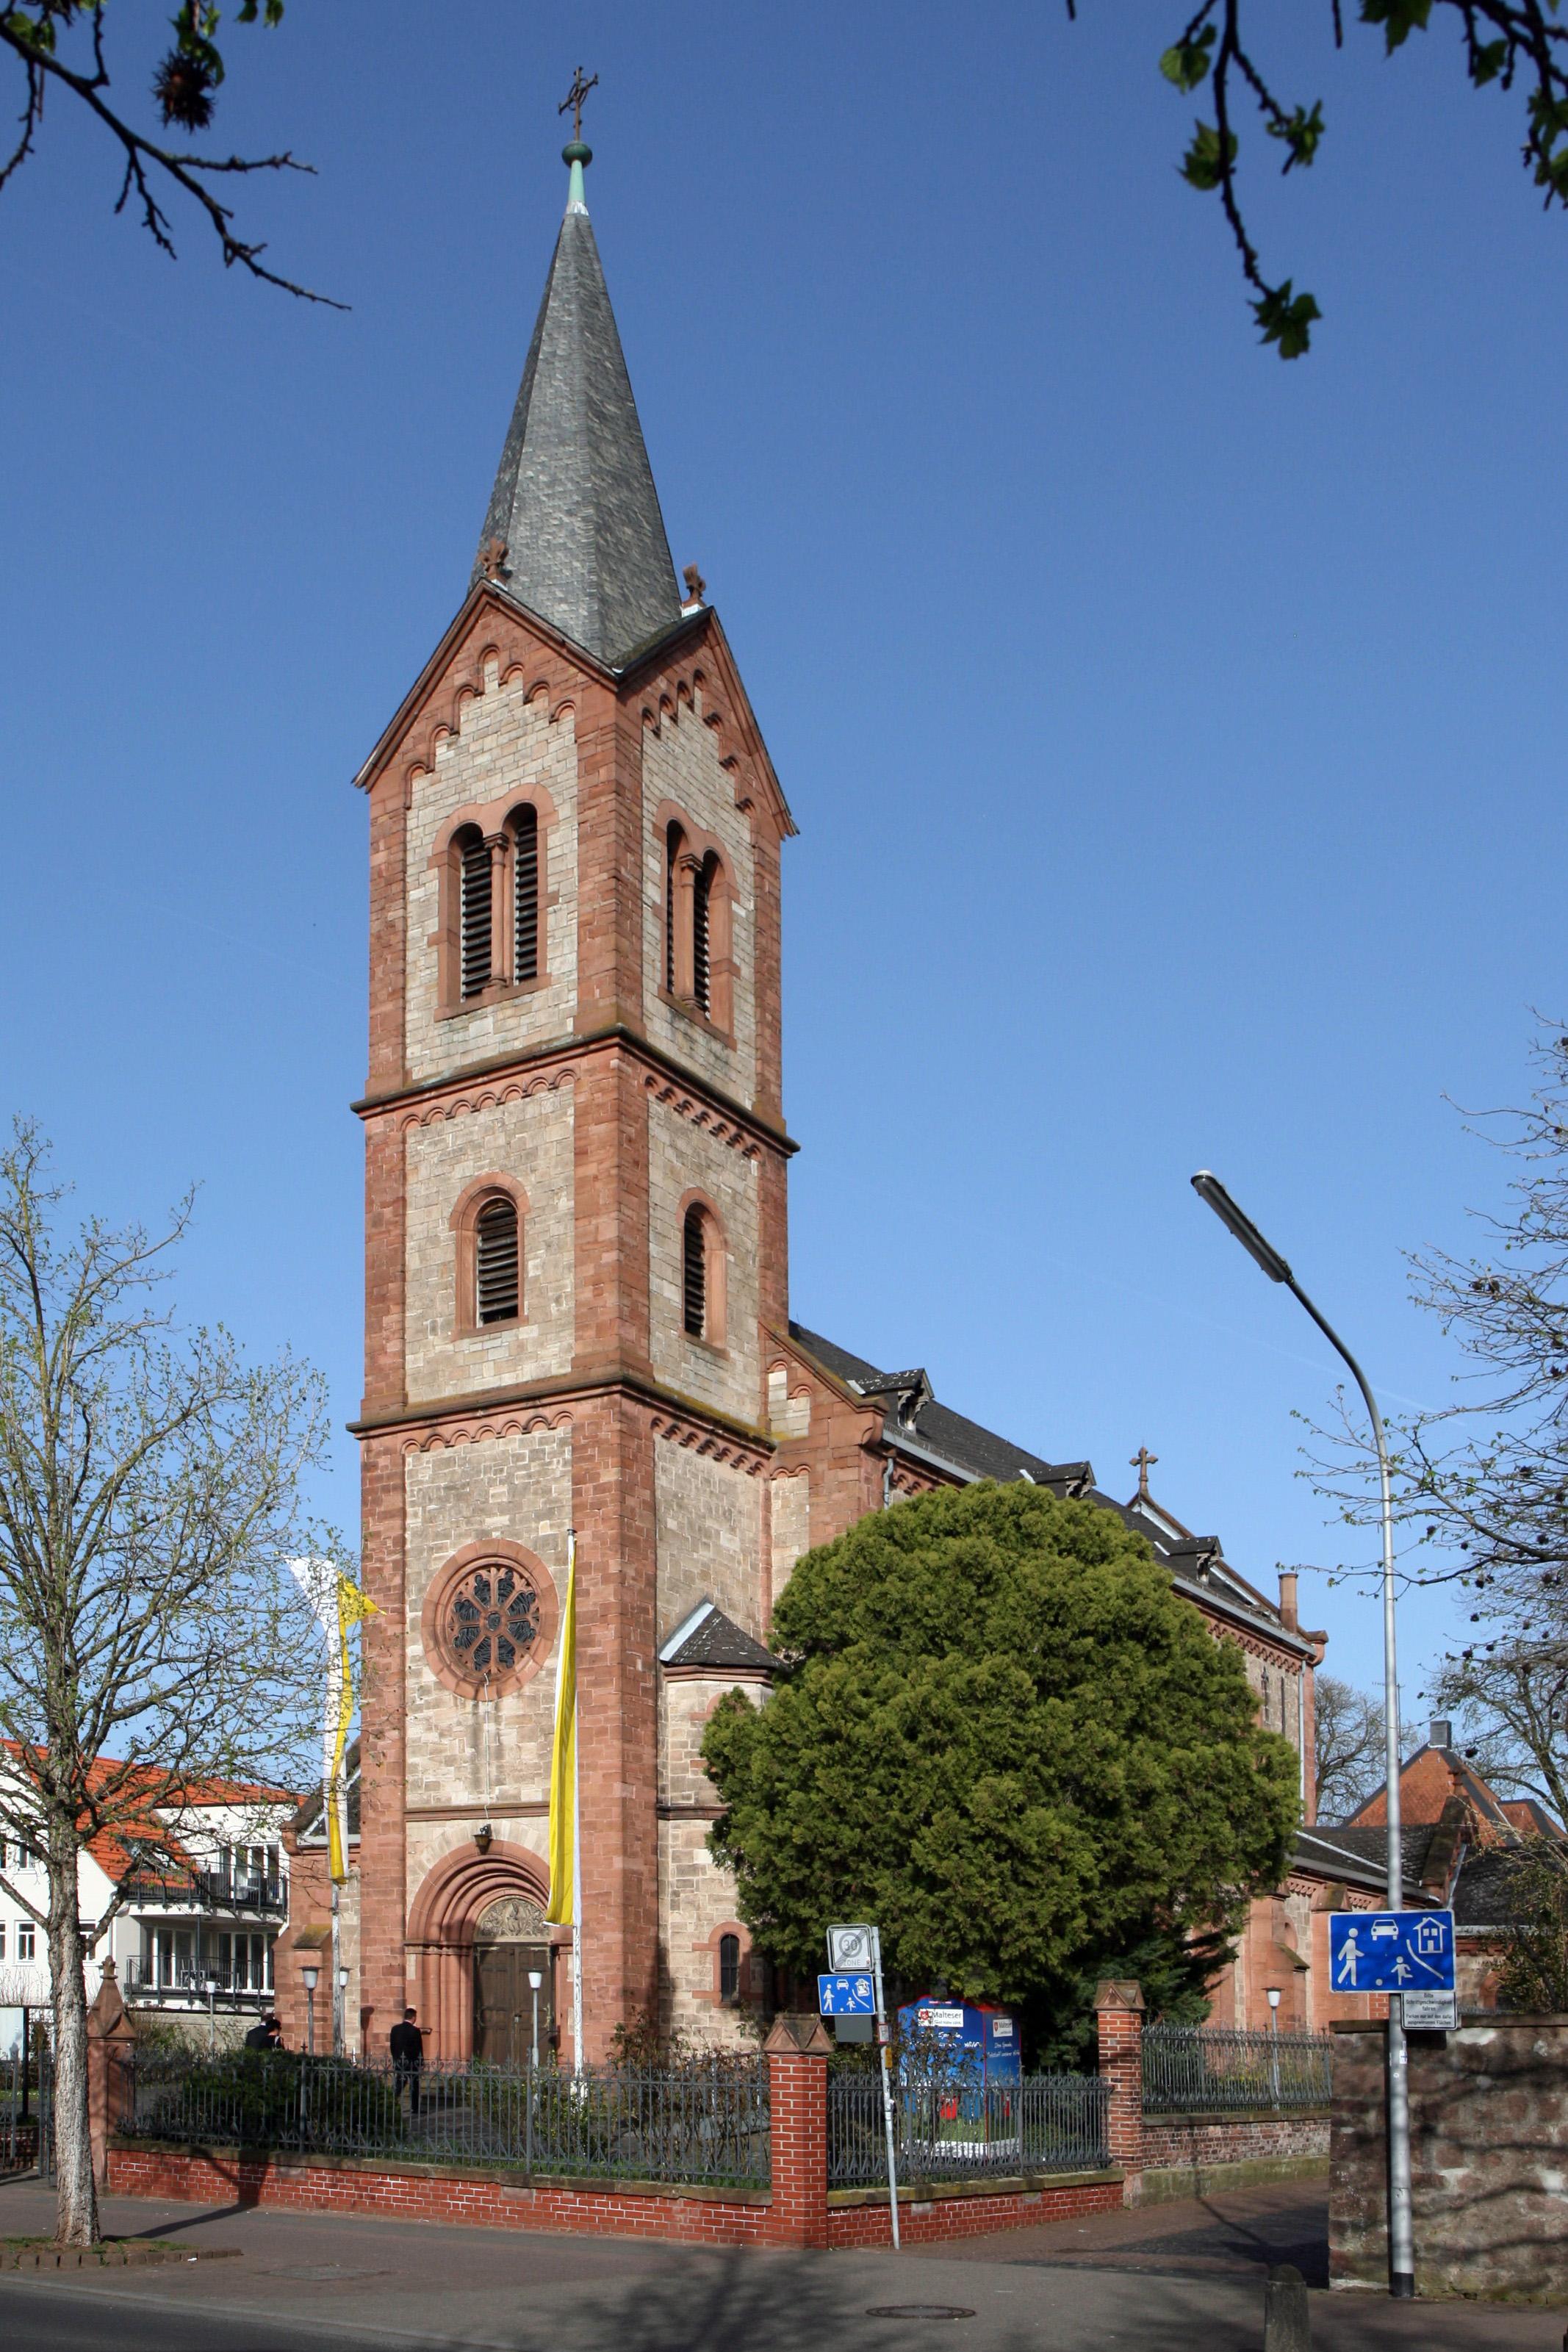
(1004, 1738)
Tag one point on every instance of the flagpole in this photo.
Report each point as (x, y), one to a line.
(576, 1868)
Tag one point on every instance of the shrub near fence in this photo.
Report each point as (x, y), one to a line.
(947, 2129)
(704, 2122)
(1211, 2070)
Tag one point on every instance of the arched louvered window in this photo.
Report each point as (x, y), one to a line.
(694, 1273)
(525, 894)
(702, 932)
(474, 918)
(672, 843)
(729, 1968)
(496, 1262)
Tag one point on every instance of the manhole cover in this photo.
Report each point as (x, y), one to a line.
(920, 2311)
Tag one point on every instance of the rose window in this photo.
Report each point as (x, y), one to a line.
(490, 1621)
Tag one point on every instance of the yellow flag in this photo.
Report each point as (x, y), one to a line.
(352, 1605)
(562, 1909)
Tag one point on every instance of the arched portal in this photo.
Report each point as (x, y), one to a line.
(511, 1946)
(450, 1924)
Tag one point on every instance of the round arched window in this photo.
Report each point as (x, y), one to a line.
(489, 1618)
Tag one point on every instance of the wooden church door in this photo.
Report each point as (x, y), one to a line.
(511, 1940)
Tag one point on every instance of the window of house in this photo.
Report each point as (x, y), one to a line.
(474, 912)
(496, 1261)
(26, 1939)
(729, 1968)
(525, 894)
(2, 1939)
(694, 1272)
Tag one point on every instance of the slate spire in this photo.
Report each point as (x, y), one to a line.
(573, 529)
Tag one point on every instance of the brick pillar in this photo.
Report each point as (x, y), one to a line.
(110, 2038)
(797, 2051)
(1119, 2022)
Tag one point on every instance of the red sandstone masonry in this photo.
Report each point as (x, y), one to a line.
(858, 2220)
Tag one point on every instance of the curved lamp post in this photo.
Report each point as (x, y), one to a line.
(1401, 2256)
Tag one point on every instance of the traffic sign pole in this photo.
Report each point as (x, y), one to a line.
(887, 2093)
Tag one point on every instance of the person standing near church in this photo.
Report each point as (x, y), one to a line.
(406, 2042)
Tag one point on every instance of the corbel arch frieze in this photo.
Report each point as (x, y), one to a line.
(491, 662)
(694, 1437)
(686, 1105)
(485, 1097)
(441, 1436)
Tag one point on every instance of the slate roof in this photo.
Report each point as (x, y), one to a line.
(1485, 1894)
(916, 1421)
(574, 502)
(1371, 1842)
(709, 1638)
(1322, 1855)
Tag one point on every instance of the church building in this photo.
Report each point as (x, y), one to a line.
(577, 1291)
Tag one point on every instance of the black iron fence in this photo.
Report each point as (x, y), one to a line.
(946, 2129)
(1194, 2069)
(25, 2084)
(705, 2121)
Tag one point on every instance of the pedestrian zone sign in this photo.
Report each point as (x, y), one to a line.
(848, 1995)
(1391, 1951)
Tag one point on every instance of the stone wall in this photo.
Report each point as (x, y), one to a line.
(505, 741)
(682, 767)
(709, 1537)
(1489, 2132)
(516, 1487)
(685, 1155)
(529, 1140)
(1189, 2156)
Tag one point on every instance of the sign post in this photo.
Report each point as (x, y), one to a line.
(854, 1954)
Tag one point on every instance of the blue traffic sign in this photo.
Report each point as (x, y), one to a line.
(851, 1995)
(1391, 1951)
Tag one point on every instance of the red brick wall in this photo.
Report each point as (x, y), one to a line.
(1203, 2140)
(924, 2221)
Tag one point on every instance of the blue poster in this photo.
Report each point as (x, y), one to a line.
(1391, 1951)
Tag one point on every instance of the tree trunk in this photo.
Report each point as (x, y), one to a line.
(76, 2205)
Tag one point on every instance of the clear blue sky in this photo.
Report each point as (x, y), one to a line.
(1174, 735)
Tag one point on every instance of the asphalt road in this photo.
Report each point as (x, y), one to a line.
(1180, 2278)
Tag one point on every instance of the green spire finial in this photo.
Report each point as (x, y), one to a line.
(575, 152)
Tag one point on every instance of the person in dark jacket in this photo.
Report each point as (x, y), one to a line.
(407, 2044)
(268, 2035)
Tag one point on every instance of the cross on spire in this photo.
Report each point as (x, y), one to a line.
(573, 98)
(1144, 1462)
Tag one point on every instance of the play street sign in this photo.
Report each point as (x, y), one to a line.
(1391, 1951)
(847, 1996)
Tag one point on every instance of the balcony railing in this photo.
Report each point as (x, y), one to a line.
(231, 1984)
(207, 1890)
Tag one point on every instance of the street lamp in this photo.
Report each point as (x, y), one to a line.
(341, 2016)
(535, 1978)
(1401, 2253)
(211, 2010)
(307, 1977)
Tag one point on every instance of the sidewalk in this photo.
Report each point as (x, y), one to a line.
(1178, 2278)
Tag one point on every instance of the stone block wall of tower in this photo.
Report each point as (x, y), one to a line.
(604, 1105)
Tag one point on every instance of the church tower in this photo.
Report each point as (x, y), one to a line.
(575, 1227)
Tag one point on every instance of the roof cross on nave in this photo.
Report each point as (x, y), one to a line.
(1144, 1462)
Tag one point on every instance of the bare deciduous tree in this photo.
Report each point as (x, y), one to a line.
(150, 1636)
(1349, 1753)
(1511, 1697)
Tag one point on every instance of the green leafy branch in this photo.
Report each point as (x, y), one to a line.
(184, 88)
(1503, 40)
